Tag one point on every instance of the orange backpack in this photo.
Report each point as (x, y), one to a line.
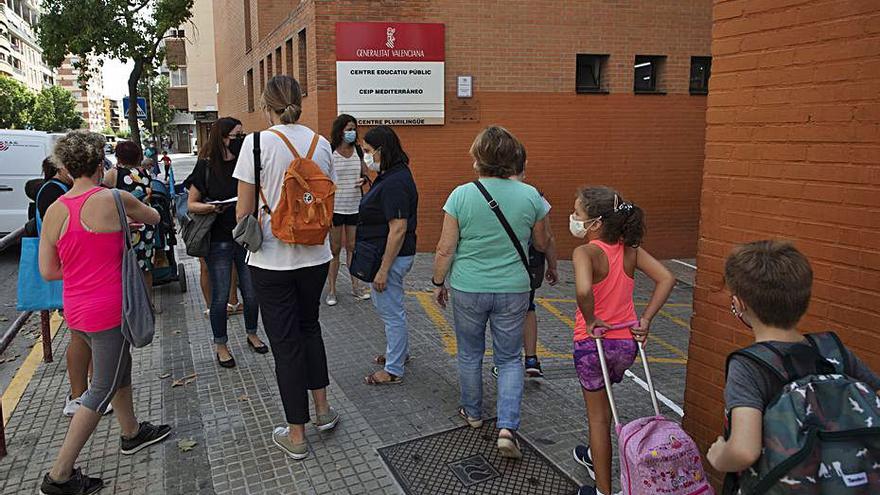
(305, 211)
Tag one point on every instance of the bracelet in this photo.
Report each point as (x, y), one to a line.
(441, 284)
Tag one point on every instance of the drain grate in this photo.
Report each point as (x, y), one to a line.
(465, 461)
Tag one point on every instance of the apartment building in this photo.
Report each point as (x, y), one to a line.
(20, 54)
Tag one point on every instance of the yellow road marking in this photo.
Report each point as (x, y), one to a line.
(572, 301)
(678, 321)
(447, 334)
(568, 321)
(24, 374)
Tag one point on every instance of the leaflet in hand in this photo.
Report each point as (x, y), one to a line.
(224, 201)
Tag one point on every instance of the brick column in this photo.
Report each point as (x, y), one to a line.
(792, 152)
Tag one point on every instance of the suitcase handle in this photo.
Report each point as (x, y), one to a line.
(606, 376)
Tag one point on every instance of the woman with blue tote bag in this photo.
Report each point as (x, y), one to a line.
(36, 294)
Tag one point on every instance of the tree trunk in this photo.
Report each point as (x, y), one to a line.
(133, 79)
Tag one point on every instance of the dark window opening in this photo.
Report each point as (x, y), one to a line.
(288, 59)
(701, 70)
(278, 69)
(647, 71)
(262, 76)
(248, 42)
(303, 56)
(589, 73)
(269, 66)
(249, 86)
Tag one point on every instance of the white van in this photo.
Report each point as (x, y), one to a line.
(21, 159)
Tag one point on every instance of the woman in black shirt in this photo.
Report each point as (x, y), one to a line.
(210, 182)
(387, 223)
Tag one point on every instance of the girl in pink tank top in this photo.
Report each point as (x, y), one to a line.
(81, 244)
(604, 271)
(92, 263)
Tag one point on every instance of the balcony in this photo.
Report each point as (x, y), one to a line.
(175, 52)
(178, 98)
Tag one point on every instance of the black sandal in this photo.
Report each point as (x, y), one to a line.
(263, 349)
(229, 363)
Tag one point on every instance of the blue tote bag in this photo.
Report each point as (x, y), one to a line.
(34, 293)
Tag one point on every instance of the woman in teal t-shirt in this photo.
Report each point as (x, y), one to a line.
(488, 279)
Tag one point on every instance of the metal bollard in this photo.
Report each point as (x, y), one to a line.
(46, 336)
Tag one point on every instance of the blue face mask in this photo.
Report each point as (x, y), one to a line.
(350, 136)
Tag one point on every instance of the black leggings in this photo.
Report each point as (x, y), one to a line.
(289, 302)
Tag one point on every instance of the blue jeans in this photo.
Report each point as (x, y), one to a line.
(389, 305)
(506, 314)
(219, 260)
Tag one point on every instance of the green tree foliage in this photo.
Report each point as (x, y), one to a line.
(55, 110)
(120, 29)
(158, 111)
(123, 133)
(16, 104)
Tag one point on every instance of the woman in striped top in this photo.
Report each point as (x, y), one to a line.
(350, 172)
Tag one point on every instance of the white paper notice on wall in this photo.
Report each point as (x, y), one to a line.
(465, 86)
(391, 73)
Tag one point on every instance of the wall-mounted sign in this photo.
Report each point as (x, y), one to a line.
(390, 73)
(465, 86)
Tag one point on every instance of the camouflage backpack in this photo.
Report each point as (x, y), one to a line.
(821, 434)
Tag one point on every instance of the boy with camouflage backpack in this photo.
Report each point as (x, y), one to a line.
(803, 415)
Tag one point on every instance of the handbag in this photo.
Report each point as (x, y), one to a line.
(34, 292)
(138, 319)
(366, 260)
(535, 279)
(248, 232)
(197, 229)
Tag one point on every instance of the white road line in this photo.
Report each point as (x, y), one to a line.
(685, 264)
(666, 400)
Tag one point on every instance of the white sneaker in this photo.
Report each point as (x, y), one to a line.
(362, 295)
(71, 406)
(331, 300)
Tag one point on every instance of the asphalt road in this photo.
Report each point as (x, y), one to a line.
(21, 345)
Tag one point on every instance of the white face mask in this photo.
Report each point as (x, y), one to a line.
(579, 228)
(371, 163)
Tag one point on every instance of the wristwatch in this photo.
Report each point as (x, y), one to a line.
(441, 284)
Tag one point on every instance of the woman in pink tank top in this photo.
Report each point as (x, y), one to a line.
(82, 244)
(604, 271)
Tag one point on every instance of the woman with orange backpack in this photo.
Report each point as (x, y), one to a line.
(289, 265)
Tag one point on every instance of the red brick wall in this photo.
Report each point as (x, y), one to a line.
(522, 57)
(233, 61)
(792, 152)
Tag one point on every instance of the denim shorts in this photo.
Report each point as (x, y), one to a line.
(620, 354)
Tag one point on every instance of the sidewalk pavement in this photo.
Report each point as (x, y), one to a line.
(230, 414)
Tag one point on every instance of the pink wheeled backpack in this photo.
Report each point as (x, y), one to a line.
(656, 456)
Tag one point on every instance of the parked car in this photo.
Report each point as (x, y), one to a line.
(21, 159)
(110, 147)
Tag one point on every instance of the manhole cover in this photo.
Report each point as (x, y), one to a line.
(465, 461)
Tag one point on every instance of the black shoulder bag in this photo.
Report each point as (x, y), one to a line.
(248, 232)
(535, 279)
(197, 229)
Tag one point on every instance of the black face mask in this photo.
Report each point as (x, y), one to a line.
(235, 145)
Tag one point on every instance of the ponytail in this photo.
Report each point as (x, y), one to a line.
(621, 221)
(283, 96)
(633, 228)
(291, 114)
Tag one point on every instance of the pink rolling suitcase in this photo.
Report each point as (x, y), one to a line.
(656, 456)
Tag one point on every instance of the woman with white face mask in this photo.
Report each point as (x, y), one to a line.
(348, 162)
(386, 245)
